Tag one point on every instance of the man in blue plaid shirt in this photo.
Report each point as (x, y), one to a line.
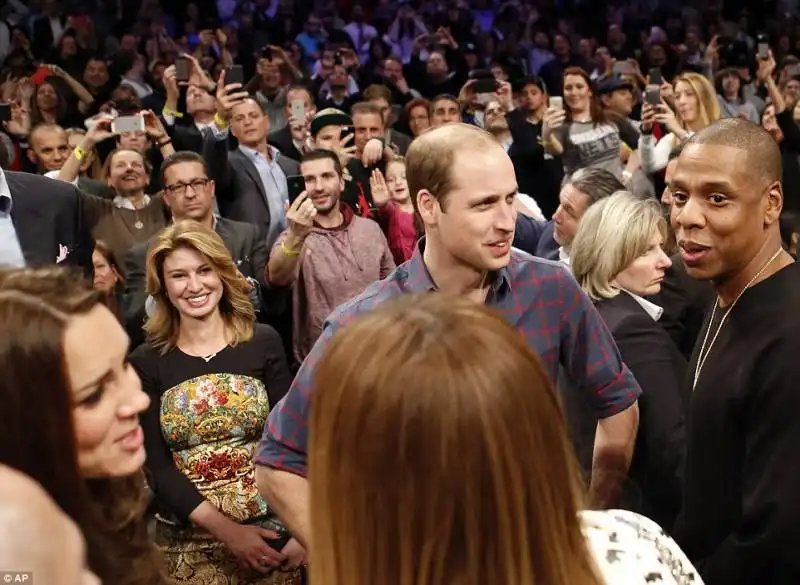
(463, 187)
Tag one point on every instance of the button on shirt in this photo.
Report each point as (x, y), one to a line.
(538, 297)
(275, 186)
(10, 250)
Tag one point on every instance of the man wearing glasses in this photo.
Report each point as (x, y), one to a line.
(189, 194)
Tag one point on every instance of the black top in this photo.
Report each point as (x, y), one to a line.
(660, 369)
(262, 358)
(741, 505)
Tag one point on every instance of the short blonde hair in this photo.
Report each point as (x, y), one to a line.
(163, 325)
(611, 235)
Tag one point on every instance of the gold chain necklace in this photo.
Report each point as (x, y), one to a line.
(701, 357)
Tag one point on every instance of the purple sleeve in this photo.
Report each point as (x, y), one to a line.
(590, 355)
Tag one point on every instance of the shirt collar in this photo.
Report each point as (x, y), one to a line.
(122, 203)
(6, 202)
(563, 256)
(650, 308)
(252, 153)
(419, 279)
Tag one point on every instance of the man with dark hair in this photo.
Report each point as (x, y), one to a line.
(349, 252)
(445, 109)
(253, 178)
(189, 194)
(463, 187)
(552, 239)
(740, 506)
(291, 139)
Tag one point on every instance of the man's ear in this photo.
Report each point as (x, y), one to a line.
(32, 156)
(427, 206)
(774, 204)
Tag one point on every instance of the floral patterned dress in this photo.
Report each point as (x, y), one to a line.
(202, 426)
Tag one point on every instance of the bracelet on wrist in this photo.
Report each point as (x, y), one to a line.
(220, 121)
(79, 153)
(288, 251)
(171, 112)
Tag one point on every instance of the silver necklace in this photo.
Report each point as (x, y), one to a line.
(701, 357)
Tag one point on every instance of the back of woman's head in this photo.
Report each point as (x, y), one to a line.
(438, 454)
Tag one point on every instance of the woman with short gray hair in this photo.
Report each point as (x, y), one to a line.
(618, 259)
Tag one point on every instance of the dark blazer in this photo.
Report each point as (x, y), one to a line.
(685, 302)
(245, 243)
(535, 237)
(49, 219)
(240, 192)
(282, 140)
(400, 141)
(656, 470)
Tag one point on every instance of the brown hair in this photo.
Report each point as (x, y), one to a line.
(596, 109)
(365, 108)
(454, 446)
(111, 300)
(376, 92)
(105, 172)
(163, 326)
(38, 431)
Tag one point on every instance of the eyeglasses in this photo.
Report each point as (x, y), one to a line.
(195, 184)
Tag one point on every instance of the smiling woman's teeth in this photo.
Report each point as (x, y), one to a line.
(197, 300)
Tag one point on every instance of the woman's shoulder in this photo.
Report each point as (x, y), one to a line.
(265, 335)
(144, 353)
(629, 549)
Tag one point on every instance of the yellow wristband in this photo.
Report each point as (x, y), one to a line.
(288, 251)
(219, 121)
(173, 113)
(79, 153)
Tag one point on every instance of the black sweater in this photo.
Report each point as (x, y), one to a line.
(741, 503)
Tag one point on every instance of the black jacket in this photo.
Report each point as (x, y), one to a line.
(654, 486)
(50, 222)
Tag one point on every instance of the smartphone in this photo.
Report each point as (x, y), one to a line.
(296, 184)
(266, 52)
(5, 112)
(653, 96)
(485, 85)
(557, 102)
(128, 124)
(655, 76)
(763, 47)
(484, 98)
(346, 131)
(298, 109)
(623, 68)
(40, 76)
(433, 40)
(182, 69)
(793, 69)
(337, 59)
(234, 74)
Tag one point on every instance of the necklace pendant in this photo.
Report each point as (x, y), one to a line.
(138, 225)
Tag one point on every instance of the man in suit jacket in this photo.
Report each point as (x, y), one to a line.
(551, 239)
(42, 222)
(291, 139)
(189, 193)
(252, 178)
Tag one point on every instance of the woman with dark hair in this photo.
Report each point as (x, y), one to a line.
(582, 133)
(438, 454)
(108, 277)
(212, 374)
(64, 354)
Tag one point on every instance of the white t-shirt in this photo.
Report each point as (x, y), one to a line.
(629, 549)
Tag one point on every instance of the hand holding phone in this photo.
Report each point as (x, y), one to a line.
(182, 69)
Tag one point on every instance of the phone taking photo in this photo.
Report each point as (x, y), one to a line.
(234, 74)
(128, 124)
(298, 109)
(763, 47)
(182, 69)
(655, 76)
(556, 102)
(653, 96)
(296, 185)
(623, 68)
